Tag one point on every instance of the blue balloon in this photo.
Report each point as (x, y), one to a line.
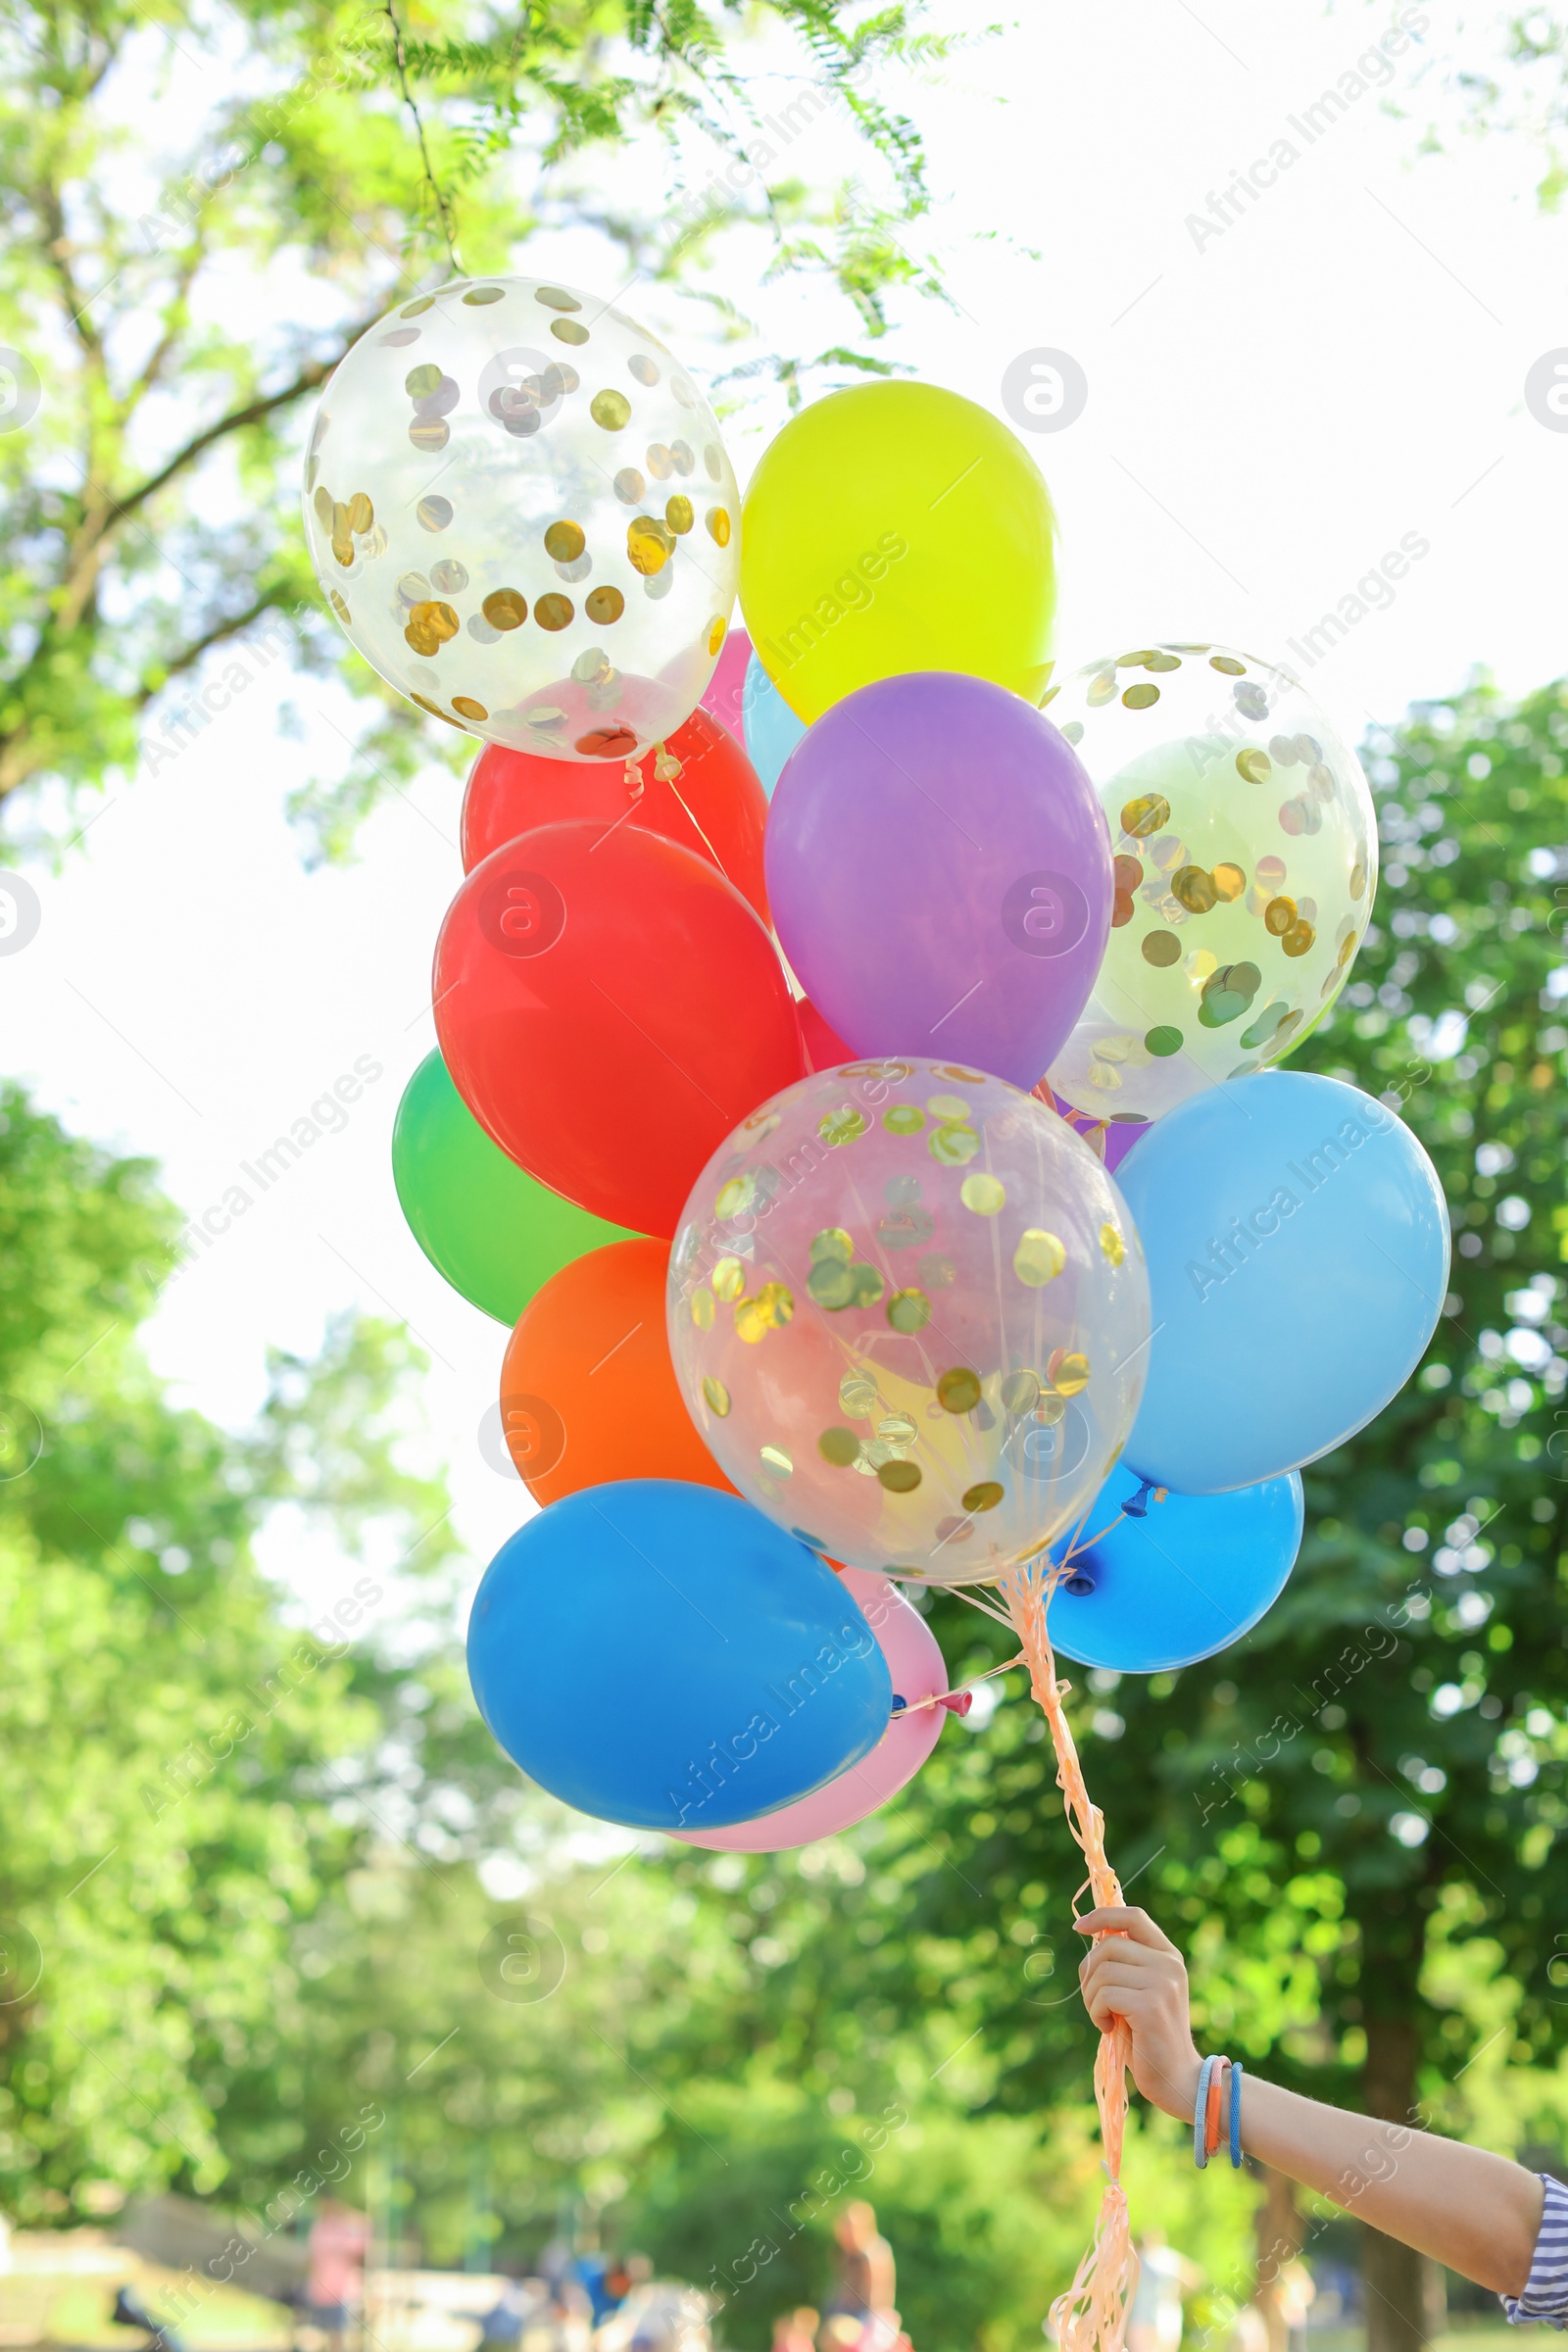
(771, 728)
(1188, 1577)
(660, 1654)
(1298, 1249)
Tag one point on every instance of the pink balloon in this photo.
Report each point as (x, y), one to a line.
(725, 692)
(916, 1666)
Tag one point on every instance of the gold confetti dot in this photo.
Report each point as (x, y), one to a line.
(362, 515)
(952, 1144)
(505, 609)
(435, 711)
(985, 1194)
(1161, 948)
(735, 1197)
(433, 513)
(1038, 1257)
(868, 1286)
(1141, 696)
(1193, 889)
(1227, 666)
(840, 1447)
(983, 1497)
(479, 296)
(1146, 816)
(1299, 939)
(1200, 963)
(1229, 882)
(322, 504)
(1113, 1245)
(832, 1284)
(612, 410)
(629, 486)
(845, 1125)
(449, 576)
(908, 1311)
(553, 611)
(680, 453)
(1068, 1372)
(556, 298)
(779, 1302)
(564, 542)
(1021, 1391)
(421, 381)
(716, 634)
(1254, 766)
(958, 1390)
(703, 1310)
(1278, 917)
(903, 1119)
(898, 1477)
(339, 606)
(1100, 690)
(568, 330)
(642, 367)
(718, 526)
(466, 708)
(728, 1279)
(716, 1394)
(752, 1322)
(414, 310)
(678, 514)
(948, 1106)
(1358, 880)
(439, 617)
(603, 605)
(896, 1429)
(775, 1458)
(834, 1244)
(650, 544)
(1162, 660)
(858, 1395)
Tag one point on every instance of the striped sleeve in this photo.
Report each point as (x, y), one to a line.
(1546, 2295)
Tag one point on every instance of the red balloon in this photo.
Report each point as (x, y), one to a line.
(716, 807)
(610, 1009)
(825, 1049)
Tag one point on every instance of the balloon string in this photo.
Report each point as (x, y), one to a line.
(940, 1699)
(1088, 1542)
(1091, 2316)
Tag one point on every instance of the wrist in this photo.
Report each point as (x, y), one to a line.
(1177, 2090)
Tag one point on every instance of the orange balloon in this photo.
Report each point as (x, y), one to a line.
(588, 1392)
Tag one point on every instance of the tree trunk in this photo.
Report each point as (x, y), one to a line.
(1395, 2277)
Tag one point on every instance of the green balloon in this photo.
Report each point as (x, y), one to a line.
(484, 1223)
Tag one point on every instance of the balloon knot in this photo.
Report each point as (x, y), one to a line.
(958, 1702)
(1137, 1507)
(667, 768)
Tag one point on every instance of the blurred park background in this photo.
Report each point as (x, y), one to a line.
(276, 1920)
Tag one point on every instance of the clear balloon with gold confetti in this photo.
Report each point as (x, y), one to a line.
(521, 512)
(1246, 863)
(908, 1313)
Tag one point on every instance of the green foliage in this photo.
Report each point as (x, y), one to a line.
(345, 155)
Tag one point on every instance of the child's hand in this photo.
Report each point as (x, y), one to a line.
(1136, 1972)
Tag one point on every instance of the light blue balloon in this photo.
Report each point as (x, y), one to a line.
(662, 1655)
(773, 729)
(1184, 1580)
(1298, 1249)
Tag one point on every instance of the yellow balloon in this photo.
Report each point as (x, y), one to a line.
(898, 527)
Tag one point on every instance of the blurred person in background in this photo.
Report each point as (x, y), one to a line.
(796, 2331)
(335, 2252)
(1154, 2315)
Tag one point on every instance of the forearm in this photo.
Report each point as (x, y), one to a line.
(1476, 2212)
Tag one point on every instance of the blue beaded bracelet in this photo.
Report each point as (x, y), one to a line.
(1205, 2076)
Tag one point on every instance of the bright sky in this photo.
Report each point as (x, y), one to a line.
(1272, 408)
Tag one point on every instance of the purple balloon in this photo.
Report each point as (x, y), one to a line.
(939, 871)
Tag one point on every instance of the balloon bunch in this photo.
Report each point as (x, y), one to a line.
(804, 993)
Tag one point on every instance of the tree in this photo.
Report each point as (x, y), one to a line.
(184, 1773)
(352, 155)
(1351, 1818)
